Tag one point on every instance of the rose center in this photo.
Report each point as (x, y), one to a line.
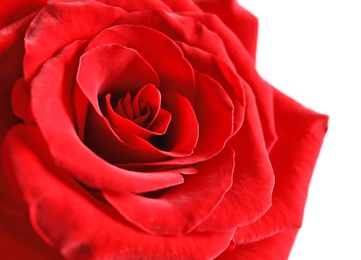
(136, 110)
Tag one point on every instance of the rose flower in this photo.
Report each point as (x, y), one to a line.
(141, 130)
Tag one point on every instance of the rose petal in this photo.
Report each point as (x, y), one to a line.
(245, 67)
(277, 247)
(181, 6)
(51, 109)
(11, 11)
(293, 158)
(84, 232)
(207, 63)
(250, 195)
(11, 54)
(49, 31)
(21, 101)
(238, 19)
(183, 207)
(214, 111)
(19, 240)
(179, 28)
(126, 147)
(175, 75)
(109, 69)
(157, 122)
(113, 69)
(137, 5)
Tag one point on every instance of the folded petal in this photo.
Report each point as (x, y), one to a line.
(250, 195)
(238, 19)
(85, 231)
(11, 11)
(293, 158)
(49, 31)
(245, 67)
(276, 247)
(52, 109)
(18, 240)
(11, 58)
(181, 208)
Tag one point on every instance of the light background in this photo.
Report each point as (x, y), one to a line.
(311, 50)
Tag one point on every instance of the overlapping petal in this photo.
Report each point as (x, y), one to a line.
(61, 23)
(238, 19)
(52, 110)
(180, 209)
(84, 233)
(251, 193)
(147, 133)
(293, 158)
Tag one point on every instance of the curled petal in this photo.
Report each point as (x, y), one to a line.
(137, 5)
(275, 247)
(53, 103)
(21, 101)
(180, 28)
(244, 65)
(11, 11)
(11, 59)
(251, 193)
(218, 70)
(49, 31)
(126, 147)
(109, 69)
(238, 19)
(155, 121)
(293, 158)
(180, 209)
(175, 75)
(84, 233)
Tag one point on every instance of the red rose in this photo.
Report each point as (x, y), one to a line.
(141, 130)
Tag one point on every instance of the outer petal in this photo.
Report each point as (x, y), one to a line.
(245, 67)
(238, 19)
(10, 11)
(18, 240)
(293, 158)
(180, 209)
(250, 195)
(83, 223)
(277, 247)
(50, 29)
(11, 55)
(52, 108)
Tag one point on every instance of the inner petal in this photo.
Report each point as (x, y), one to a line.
(142, 116)
(113, 69)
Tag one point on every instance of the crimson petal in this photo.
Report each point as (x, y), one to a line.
(209, 64)
(49, 31)
(115, 70)
(11, 58)
(251, 192)
(179, 141)
(293, 158)
(51, 109)
(183, 207)
(180, 27)
(157, 122)
(56, 198)
(276, 247)
(245, 67)
(238, 19)
(11, 11)
(175, 75)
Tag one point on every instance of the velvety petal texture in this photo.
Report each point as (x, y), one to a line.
(142, 130)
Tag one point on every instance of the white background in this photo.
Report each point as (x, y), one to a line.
(311, 50)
